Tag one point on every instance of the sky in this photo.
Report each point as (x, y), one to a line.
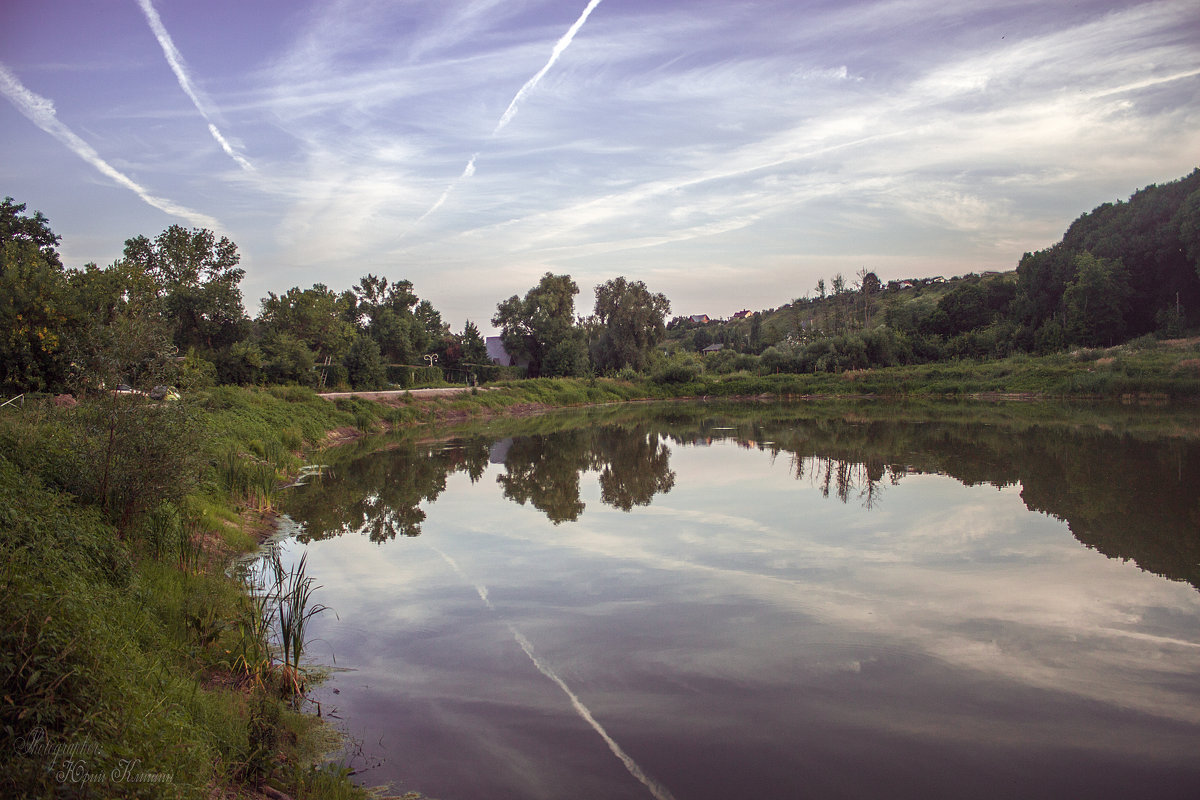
(728, 154)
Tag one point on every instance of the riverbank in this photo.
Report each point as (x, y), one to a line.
(128, 645)
(134, 663)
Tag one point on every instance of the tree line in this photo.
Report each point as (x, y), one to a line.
(177, 298)
(1123, 270)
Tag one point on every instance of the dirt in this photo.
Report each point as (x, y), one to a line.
(399, 393)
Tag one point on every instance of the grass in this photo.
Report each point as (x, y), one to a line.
(115, 646)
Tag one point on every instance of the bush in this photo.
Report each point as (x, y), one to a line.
(364, 365)
(680, 368)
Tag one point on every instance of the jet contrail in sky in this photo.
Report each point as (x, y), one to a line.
(175, 59)
(41, 112)
(559, 47)
(532, 83)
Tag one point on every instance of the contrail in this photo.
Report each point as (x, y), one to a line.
(41, 112)
(659, 791)
(510, 112)
(467, 172)
(175, 59)
(530, 84)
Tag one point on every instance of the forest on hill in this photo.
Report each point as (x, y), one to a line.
(1121, 271)
(170, 310)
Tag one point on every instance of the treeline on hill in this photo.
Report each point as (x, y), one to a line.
(1124, 270)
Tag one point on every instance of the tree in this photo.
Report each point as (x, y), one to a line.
(316, 317)
(868, 284)
(364, 365)
(474, 348)
(197, 280)
(388, 312)
(1096, 301)
(34, 313)
(540, 329)
(16, 227)
(35, 304)
(633, 322)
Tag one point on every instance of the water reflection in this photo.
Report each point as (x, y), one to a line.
(704, 601)
(1128, 494)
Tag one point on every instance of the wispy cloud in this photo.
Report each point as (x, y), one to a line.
(40, 111)
(178, 66)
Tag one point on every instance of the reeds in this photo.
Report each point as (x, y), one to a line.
(251, 479)
(274, 623)
(295, 590)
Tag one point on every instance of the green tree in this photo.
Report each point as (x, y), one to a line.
(35, 304)
(633, 322)
(387, 310)
(474, 348)
(540, 329)
(316, 317)
(364, 365)
(287, 359)
(197, 278)
(1096, 301)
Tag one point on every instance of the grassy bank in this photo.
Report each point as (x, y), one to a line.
(132, 665)
(1144, 368)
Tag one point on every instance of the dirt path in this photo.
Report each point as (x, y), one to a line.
(442, 392)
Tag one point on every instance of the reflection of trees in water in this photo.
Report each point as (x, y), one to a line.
(1125, 496)
(380, 494)
(544, 471)
(863, 479)
(634, 466)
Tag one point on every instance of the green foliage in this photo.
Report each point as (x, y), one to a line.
(540, 329)
(288, 359)
(364, 364)
(1096, 301)
(196, 279)
(34, 309)
(632, 322)
(315, 318)
(679, 368)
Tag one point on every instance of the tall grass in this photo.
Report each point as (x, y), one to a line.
(294, 591)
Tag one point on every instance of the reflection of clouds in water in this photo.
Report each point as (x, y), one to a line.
(966, 575)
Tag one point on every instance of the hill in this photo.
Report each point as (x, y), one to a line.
(1123, 270)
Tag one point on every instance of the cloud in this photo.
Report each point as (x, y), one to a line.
(40, 111)
(175, 59)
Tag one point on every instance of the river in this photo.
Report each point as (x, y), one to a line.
(767, 600)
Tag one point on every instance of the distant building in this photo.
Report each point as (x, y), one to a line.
(713, 348)
(701, 318)
(496, 352)
(742, 314)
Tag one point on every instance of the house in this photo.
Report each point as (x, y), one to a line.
(496, 352)
(699, 318)
(742, 314)
(713, 348)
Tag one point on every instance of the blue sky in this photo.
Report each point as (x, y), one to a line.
(727, 153)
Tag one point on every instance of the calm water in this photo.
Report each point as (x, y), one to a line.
(770, 602)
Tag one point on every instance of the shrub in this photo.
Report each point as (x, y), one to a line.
(680, 368)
